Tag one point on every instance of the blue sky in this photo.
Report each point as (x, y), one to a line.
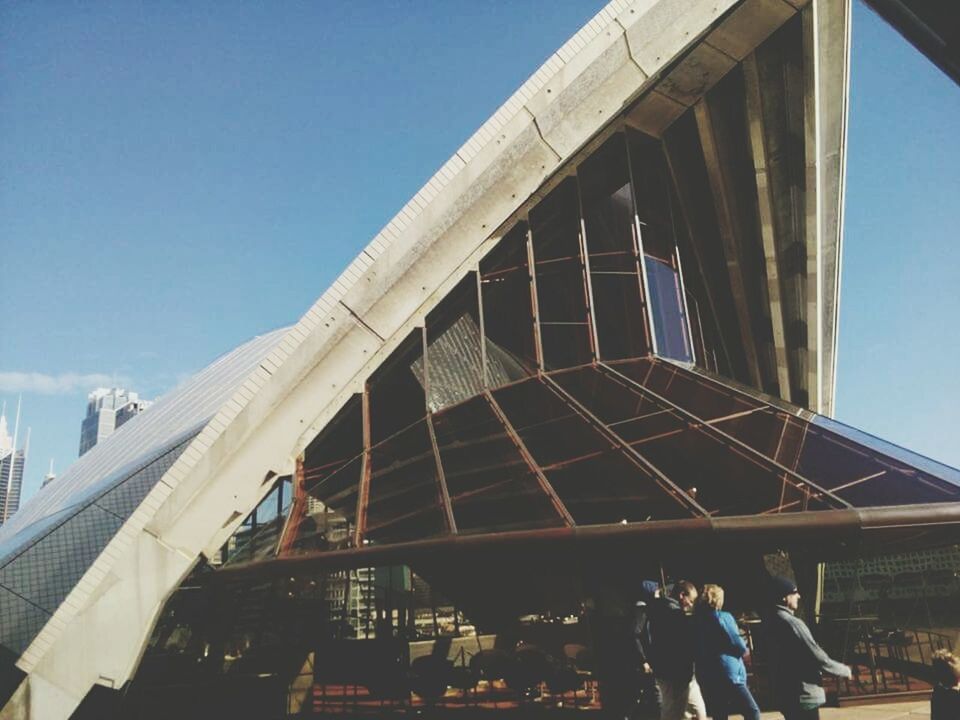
(178, 177)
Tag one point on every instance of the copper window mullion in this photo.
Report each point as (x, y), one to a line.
(706, 428)
(681, 286)
(363, 495)
(587, 280)
(619, 443)
(443, 494)
(297, 506)
(531, 463)
(443, 497)
(484, 376)
(534, 301)
(639, 262)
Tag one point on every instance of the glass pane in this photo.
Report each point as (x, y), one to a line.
(561, 285)
(669, 318)
(608, 214)
(507, 313)
(258, 536)
(404, 499)
(491, 486)
(332, 466)
(453, 347)
(596, 482)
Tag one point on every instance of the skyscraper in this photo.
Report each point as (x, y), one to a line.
(108, 409)
(12, 462)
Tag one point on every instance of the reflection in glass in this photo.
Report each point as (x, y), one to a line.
(490, 484)
(560, 280)
(507, 311)
(608, 216)
(597, 482)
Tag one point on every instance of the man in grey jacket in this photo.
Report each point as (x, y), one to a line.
(796, 660)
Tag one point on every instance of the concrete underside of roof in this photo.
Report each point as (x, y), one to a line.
(649, 63)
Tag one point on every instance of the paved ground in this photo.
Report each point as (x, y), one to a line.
(891, 711)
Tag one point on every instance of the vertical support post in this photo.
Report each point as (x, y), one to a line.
(587, 279)
(484, 375)
(641, 262)
(534, 302)
(443, 496)
(363, 495)
(722, 188)
(297, 509)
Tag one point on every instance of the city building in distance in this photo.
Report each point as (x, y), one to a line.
(597, 347)
(12, 463)
(50, 476)
(107, 410)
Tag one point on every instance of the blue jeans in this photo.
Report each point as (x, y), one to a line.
(737, 700)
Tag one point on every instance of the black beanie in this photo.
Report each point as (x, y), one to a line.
(780, 587)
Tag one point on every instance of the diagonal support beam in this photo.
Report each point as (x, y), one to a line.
(765, 207)
(721, 187)
(528, 459)
(790, 476)
(623, 446)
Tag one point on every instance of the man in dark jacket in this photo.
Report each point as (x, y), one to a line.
(649, 692)
(671, 653)
(796, 660)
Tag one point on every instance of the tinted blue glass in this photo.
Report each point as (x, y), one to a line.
(669, 319)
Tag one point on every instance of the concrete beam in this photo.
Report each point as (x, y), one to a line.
(730, 233)
(765, 210)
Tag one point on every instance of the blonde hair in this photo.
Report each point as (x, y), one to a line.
(713, 596)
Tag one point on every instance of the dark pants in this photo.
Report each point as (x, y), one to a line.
(735, 700)
(799, 714)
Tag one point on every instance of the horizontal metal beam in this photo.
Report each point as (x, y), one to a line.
(831, 532)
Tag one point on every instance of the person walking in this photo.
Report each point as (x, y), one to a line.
(945, 700)
(671, 653)
(796, 660)
(719, 659)
(650, 703)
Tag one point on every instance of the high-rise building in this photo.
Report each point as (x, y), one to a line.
(108, 409)
(12, 462)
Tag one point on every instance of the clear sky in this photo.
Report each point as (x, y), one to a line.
(177, 177)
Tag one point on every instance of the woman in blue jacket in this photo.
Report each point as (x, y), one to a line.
(719, 659)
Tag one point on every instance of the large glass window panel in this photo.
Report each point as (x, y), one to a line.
(669, 315)
(860, 474)
(608, 215)
(729, 479)
(405, 500)
(332, 468)
(507, 310)
(632, 416)
(596, 481)
(259, 534)
(566, 336)
(658, 241)
(454, 364)
(491, 486)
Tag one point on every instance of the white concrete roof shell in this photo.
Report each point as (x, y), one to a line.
(437, 237)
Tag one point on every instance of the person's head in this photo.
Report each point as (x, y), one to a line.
(784, 592)
(946, 668)
(712, 596)
(685, 593)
